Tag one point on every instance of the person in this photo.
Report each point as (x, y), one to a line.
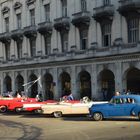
(128, 92)
(39, 97)
(19, 95)
(123, 92)
(70, 97)
(117, 93)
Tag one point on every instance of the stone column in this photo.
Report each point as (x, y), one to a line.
(1, 83)
(56, 91)
(118, 77)
(94, 86)
(25, 81)
(39, 82)
(13, 81)
(73, 83)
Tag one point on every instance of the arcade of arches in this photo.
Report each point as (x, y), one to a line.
(83, 84)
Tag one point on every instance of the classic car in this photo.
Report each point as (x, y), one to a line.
(68, 107)
(119, 106)
(13, 104)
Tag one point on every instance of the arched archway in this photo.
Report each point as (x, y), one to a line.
(48, 86)
(85, 84)
(19, 81)
(106, 82)
(133, 80)
(7, 84)
(65, 83)
(33, 90)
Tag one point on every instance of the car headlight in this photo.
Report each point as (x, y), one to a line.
(133, 113)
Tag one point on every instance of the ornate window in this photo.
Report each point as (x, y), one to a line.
(83, 5)
(19, 21)
(7, 51)
(84, 39)
(64, 41)
(106, 2)
(106, 35)
(19, 49)
(7, 24)
(32, 16)
(47, 12)
(47, 44)
(64, 8)
(33, 47)
(133, 30)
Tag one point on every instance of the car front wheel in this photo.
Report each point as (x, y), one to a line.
(57, 114)
(18, 109)
(97, 116)
(3, 109)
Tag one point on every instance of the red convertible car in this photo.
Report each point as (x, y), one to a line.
(14, 104)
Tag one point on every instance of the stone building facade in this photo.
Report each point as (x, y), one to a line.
(84, 47)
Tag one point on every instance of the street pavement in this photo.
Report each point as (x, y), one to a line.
(41, 127)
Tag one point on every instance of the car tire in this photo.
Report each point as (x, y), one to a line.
(57, 114)
(3, 109)
(17, 110)
(38, 111)
(97, 116)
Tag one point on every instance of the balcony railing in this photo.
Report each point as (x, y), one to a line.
(81, 18)
(45, 27)
(103, 12)
(30, 31)
(62, 23)
(129, 6)
(17, 34)
(5, 37)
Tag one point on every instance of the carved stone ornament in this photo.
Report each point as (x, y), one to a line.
(5, 10)
(17, 5)
(29, 2)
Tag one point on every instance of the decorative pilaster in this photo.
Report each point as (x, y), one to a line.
(95, 94)
(118, 77)
(56, 91)
(73, 83)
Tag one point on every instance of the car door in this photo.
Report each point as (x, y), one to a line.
(116, 108)
(129, 104)
(80, 108)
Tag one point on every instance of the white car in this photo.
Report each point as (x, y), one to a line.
(64, 107)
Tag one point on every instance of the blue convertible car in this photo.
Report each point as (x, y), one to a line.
(119, 106)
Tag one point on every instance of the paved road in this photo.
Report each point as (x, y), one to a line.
(41, 127)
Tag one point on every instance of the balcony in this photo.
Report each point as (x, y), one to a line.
(30, 31)
(81, 19)
(129, 7)
(45, 27)
(5, 37)
(103, 12)
(17, 34)
(62, 23)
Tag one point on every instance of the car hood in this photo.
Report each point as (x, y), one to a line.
(101, 105)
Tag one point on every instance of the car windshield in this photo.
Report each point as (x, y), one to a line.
(116, 100)
(111, 101)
